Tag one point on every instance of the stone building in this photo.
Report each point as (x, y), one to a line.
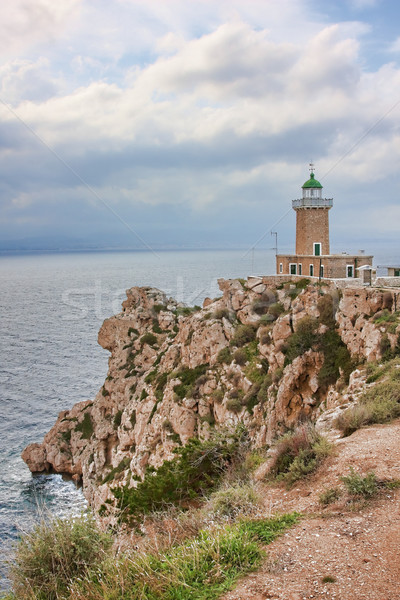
(312, 256)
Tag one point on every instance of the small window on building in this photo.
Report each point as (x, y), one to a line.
(317, 248)
(349, 271)
(397, 272)
(300, 269)
(311, 270)
(293, 268)
(321, 270)
(280, 268)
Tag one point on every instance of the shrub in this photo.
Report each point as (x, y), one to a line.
(337, 359)
(217, 395)
(328, 579)
(156, 327)
(304, 338)
(221, 313)
(188, 379)
(117, 419)
(243, 335)
(149, 339)
(265, 337)
(298, 453)
(378, 404)
(55, 553)
(224, 356)
(85, 427)
(232, 500)
(234, 405)
(327, 310)
(330, 495)
(159, 307)
(357, 485)
(196, 468)
(275, 310)
(240, 356)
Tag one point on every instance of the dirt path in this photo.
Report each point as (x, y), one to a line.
(356, 546)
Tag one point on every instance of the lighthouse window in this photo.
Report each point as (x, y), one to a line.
(317, 249)
(311, 270)
(397, 272)
(293, 268)
(349, 271)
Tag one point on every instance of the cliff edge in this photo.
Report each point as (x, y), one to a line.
(268, 353)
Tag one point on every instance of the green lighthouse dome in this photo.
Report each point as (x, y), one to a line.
(311, 183)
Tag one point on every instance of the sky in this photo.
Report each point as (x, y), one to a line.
(192, 123)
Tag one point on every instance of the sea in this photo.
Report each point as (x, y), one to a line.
(51, 308)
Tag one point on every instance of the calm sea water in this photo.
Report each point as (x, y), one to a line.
(51, 309)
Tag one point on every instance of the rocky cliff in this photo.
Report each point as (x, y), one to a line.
(267, 353)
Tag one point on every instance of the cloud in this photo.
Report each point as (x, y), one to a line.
(24, 23)
(208, 111)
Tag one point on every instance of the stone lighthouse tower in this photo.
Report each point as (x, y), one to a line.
(312, 219)
(312, 257)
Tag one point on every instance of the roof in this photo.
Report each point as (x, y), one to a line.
(312, 183)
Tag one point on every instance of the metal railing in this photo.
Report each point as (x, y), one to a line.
(312, 203)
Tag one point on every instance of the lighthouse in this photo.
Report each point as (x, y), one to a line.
(312, 257)
(312, 219)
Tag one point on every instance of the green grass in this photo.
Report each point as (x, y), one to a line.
(201, 568)
(54, 553)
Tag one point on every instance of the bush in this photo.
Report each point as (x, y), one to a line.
(217, 395)
(275, 310)
(85, 427)
(224, 356)
(234, 405)
(148, 338)
(221, 313)
(196, 468)
(188, 379)
(357, 485)
(117, 419)
(330, 495)
(304, 338)
(159, 307)
(243, 335)
(298, 453)
(55, 553)
(240, 356)
(156, 327)
(232, 500)
(378, 404)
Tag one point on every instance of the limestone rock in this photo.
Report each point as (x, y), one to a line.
(168, 381)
